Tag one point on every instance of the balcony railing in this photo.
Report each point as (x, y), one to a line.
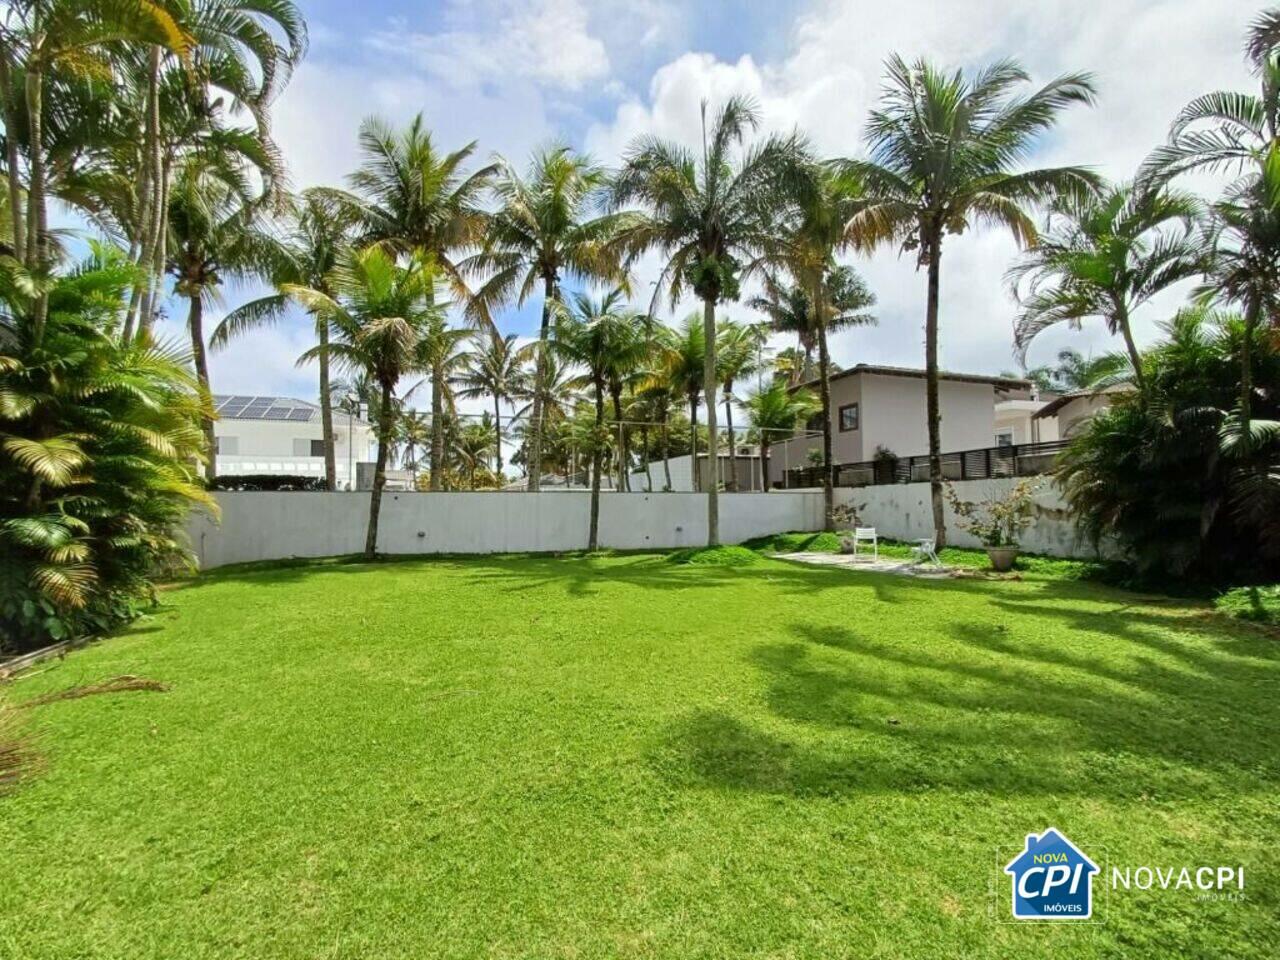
(1010, 460)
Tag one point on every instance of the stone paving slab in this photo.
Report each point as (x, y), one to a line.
(865, 562)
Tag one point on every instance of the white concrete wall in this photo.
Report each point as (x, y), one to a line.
(902, 511)
(269, 526)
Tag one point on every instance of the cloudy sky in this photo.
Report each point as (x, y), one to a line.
(595, 73)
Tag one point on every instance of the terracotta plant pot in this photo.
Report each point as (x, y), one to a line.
(1002, 558)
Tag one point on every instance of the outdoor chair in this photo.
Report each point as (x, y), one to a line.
(866, 535)
(926, 548)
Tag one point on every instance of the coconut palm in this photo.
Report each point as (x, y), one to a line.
(412, 435)
(598, 335)
(546, 230)
(1105, 256)
(411, 196)
(379, 313)
(316, 233)
(737, 355)
(472, 445)
(944, 152)
(680, 366)
(787, 309)
(706, 216)
(552, 393)
(494, 368)
(216, 233)
(775, 411)
(441, 353)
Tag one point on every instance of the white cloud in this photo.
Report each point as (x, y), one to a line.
(1149, 58)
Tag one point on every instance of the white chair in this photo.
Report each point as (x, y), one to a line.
(926, 548)
(866, 535)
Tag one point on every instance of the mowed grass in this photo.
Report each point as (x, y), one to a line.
(623, 757)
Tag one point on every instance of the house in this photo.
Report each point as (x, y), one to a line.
(280, 435)
(876, 408)
(1051, 879)
(1016, 421)
(1072, 410)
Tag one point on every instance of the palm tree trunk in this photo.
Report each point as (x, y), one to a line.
(37, 227)
(326, 410)
(648, 467)
(152, 161)
(159, 248)
(497, 429)
(379, 473)
(622, 442)
(1251, 312)
(709, 384)
(1122, 321)
(437, 428)
(693, 444)
(934, 415)
(593, 535)
(824, 376)
(11, 157)
(666, 446)
(539, 386)
(732, 482)
(764, 462)
(195, 322)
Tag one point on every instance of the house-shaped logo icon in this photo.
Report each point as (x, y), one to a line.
(1052, 879)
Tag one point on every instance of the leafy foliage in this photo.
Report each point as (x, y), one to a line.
(99, 447)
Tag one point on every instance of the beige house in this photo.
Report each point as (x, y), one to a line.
(878, 407)
(1016, 421)
(1071, 411)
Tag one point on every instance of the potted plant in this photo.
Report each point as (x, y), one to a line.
(997, 521)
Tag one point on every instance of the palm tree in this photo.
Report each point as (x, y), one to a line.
(379, 313)
(1227, 131)
(707, 215)
(737, 355)
(680, 367)
(1074, 371)
(413, 433)
(472, 445)
(596, 334)
(943, 152)
(1105, 256)
(543, 233)
(787, 308)
(216, 234)
(316, 234)
(553, 394)
(776, 410)
(495, 368)
(410, 196)
(441, 353)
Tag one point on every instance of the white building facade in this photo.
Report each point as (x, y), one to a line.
(284, 436)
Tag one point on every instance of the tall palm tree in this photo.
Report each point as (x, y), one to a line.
(706, 216)
(216, 233)
(1228, 131)
(441, 353)
(413, 434)
(737, 355)
(787, 309)
(553, 393)
(775, 411)
(944, 149)
(379, 312)
(596, 334)
(410, 196)
(316, 233)
(494, 368)
(1105, 256)
(546, 230)
(680, 365)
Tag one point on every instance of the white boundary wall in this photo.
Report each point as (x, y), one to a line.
(903, 511)
(272, 526)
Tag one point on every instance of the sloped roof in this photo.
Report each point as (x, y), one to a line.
(879, 370)
(246, 407)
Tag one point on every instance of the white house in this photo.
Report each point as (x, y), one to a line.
(1016, 421)
(280, 435)
(1071, 411)
(879, 407)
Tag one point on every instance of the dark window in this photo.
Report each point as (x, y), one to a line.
(849, 417)
(317, 448)
(1004, 439)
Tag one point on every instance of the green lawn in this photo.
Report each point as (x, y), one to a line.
(620, 757)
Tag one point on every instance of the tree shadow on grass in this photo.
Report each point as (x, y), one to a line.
(985, 711)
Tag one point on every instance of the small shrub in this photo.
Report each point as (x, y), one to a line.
(714, 557)
(1256, 604)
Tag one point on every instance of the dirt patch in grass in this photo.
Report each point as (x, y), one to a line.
(119, 684)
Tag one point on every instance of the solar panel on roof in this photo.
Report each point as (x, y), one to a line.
(300, 413)
(230, 410)
(242, 399)
(276, 413)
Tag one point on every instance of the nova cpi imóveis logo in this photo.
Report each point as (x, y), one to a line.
(1051, 879)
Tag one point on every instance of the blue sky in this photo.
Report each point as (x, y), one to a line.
(515, 73)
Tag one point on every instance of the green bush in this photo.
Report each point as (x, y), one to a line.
(714, 557)
(1257, 604)
(268, 482)
(99, 448)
